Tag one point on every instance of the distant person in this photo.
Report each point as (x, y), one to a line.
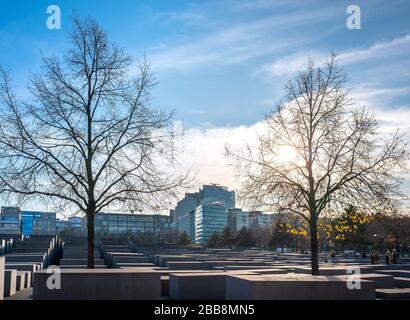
(363, 254)
(372, 257)
(376, 257)
(394, 257)
(387, 256)
(333, 255)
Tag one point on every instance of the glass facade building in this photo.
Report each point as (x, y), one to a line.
(61, 225)
(238, 219)
(259, 220)
(10, 220)
(187, 224)
(209, 218)
(131, 225)
(185, 206)
(182, 217)
(217, 194)
(38, 223)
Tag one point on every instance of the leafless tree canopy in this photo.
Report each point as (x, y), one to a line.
(339, 157)
(89, 136)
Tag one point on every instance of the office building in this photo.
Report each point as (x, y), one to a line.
(238, 219)
(162, 227)
(185, 206)
(131, 225)
(38, 223)
(10, 220)
(183, 216)
(259, 220)
(61, 225)
(187, 224)
(217, 194)
(209, 218)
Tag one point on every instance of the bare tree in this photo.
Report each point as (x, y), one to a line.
(319, 154)
(89, 139)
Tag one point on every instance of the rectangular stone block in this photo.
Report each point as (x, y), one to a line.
(27, 278)
(134, 265)
(395, 273)
(220, 263)
(2, 267)
(294, 287)
(331, 271)
(165, 286)
(24, 267)
(16, 258)
(100, 284)
(10, 281)
(78, 262)
(163, 259)
(185, 265)
(398, 293)
(20, 281)
(199, 286)
(130, 259)
(402, 282)
(82, 266)
(381, 281)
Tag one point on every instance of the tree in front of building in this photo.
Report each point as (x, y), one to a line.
(228, 238)
(215, 241)
(350, 229)
(184, 239)
(88, 138)
(280, 237)
(244, 238)
(318, 153)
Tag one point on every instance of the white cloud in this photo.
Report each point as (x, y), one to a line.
(373, 95)
(379, 49)
(236, 44)
(192, 18)
(289, 65)
(203, 149)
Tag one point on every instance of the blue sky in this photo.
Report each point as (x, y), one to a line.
(222, 64)
(212, 58)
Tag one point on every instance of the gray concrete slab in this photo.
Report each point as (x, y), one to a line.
(10, 282)
(99, 284)
(395, 273)
(17, 258)
(381, 281)
(185, 265)
(133, 265)
(400, 293)
(2, 267)
(82, 266)
(24, 267)
(294, 287)
(402, 282)
(20, 281)
(77, 262)
(200, 285)
(330, 270)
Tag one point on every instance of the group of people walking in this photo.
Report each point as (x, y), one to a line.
(390, 257)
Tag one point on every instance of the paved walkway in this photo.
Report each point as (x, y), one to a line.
(26, 294)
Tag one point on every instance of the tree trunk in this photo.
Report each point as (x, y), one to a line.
(90, 240)
(314, 247)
